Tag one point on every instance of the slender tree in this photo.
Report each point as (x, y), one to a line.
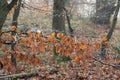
(14, 23)
(68, 21)
(16, 13)
(103, 48)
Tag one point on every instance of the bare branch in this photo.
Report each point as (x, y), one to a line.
(20, 76)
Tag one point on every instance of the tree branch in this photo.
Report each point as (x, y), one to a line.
(20, 76)
(68, 21)
(116, 66)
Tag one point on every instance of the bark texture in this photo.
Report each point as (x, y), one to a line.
(4, 10)
(104, 11)
(58, 16)
(109, 35)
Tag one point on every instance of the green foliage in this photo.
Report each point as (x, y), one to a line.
(60, 58)
(117, 50)
(1, 52)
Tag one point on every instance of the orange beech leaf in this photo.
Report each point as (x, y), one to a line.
(16, 48)
(35, 78)
(60, 35)
(84, 56)
(77, 59)
(32, 60)
(5, 49)
(6, 34)
(84, 47)
(21, 56)
(49, 39)
(89, 56)
(43, 39)
(67, 51)
(54, 40)
(80, 51)
(13, 28)
(12, 38)
(66, 40)
(53, 34)
(105, 43)
(75, 45)
(8, 66)
(41, 47)
(38, 35)
(58, 45)
(104, 38)
(27, 40)
(91, 43)
(49, 47)
(98, 45)
(83, 40)
(29, 33)
(4, 60)
(59, 50)
(36, 61)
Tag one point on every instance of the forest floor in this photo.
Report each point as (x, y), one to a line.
(98, 68)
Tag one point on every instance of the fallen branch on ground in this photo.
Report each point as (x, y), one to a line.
(116, 66)
(20, 76)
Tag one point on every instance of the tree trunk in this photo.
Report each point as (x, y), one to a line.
(103, 48)
(104, 10)
(4, 9)
(16, 14)
(58, 16)
(69, 24)
(14, 23)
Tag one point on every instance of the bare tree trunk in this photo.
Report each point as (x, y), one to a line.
(14, 23)
(4, 9)
(104, 10)
(16, 13)
(58, 16)
(103, 49)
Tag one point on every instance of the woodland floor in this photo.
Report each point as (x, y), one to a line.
(95, 69)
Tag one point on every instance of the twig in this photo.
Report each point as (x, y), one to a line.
(20, 76)
(112, 65)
